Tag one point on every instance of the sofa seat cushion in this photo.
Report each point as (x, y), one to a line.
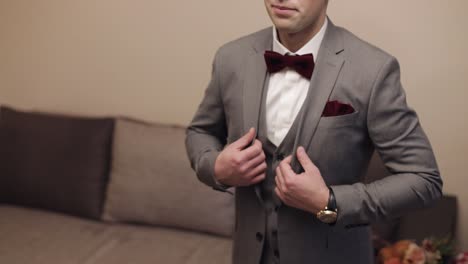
(40, 237)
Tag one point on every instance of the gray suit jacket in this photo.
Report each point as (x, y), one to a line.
(351, 71)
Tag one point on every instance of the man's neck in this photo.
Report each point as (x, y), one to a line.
(295, 41)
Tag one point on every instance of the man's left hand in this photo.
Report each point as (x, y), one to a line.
(306, 191)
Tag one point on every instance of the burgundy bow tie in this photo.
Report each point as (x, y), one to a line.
(303, 64)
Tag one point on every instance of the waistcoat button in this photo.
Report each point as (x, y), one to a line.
(259, 236)
(280, 156)
(275, 232)
(276, 253)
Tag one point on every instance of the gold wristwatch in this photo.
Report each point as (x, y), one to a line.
(329, 214)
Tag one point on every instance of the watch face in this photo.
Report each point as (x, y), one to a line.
(327, 216)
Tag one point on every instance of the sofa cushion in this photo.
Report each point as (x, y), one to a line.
(55, 162)
(152, 182)
(41, 237)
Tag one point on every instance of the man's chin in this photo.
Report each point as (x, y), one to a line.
(286, 28)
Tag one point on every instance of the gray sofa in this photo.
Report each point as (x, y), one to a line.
(80, 190)
(85, 190)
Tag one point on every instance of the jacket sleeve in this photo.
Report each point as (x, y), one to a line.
(399, 139)
(206, 133)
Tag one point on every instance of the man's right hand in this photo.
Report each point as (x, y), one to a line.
(240, 163)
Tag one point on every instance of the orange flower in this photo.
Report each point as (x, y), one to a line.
(414, 255)
(386, 253)
(393, 261)
(401, 247)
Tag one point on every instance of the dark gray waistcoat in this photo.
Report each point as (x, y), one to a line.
(274, 155)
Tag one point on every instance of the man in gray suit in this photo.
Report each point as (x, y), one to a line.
(290, 119)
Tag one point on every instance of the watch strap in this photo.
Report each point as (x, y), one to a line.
(331, 201)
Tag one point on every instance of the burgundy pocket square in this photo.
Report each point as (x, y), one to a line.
(337, 108)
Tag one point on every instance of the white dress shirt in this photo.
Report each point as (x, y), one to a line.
(287, 89)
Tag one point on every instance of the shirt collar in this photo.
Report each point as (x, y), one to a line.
(312, 46)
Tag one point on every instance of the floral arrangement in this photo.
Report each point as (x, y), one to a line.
(461, 258)
(431, 251)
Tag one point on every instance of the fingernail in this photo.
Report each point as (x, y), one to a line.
(301, 149)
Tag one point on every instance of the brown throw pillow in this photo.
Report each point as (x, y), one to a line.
(152, 182)
(54, 162)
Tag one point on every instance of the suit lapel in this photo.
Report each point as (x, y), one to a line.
(328, 66)
(254, 83)
(253, 88)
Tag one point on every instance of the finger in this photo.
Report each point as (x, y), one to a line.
(279, 183)
(245, 140)
(285, 167)
(280, 194)
(304, 159)
(279, 180)
(261, 168)
(288, 159)
(258, 178)
(252, 151)
(252, 163)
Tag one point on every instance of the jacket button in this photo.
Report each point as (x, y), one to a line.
(259, 236)
(276, 253)
(280, 156)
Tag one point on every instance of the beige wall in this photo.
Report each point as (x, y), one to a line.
(151, 60)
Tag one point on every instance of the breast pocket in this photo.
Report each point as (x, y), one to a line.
(339, 121)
